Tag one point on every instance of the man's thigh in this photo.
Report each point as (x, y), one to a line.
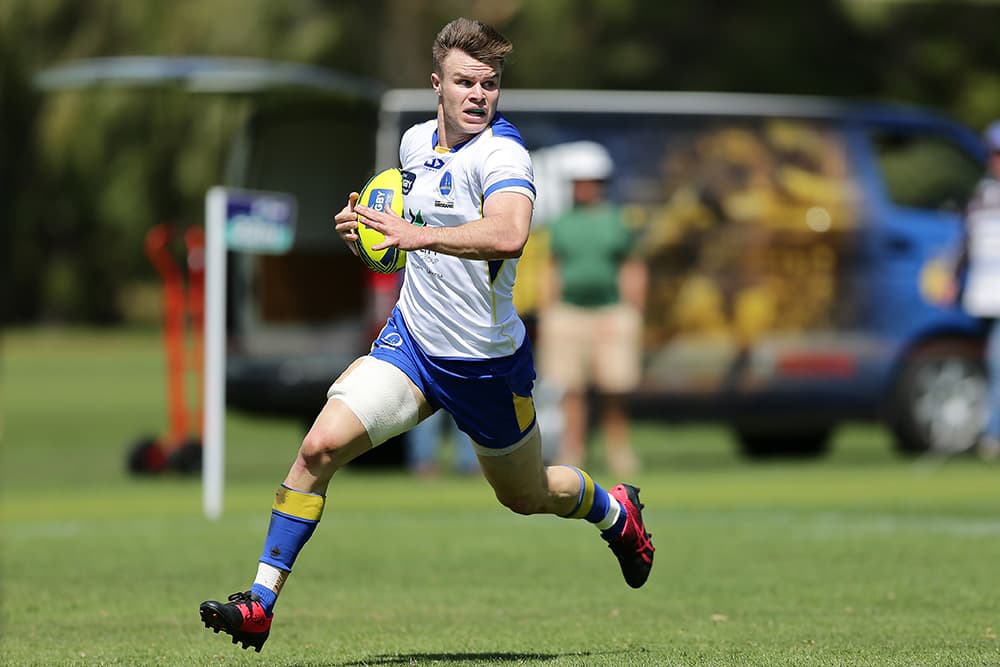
(516, 472)
(382, 398)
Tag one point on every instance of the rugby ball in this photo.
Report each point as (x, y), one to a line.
(383, 191)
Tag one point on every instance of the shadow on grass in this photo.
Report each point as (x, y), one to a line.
(458, 657)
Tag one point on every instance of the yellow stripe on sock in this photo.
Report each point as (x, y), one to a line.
(588, 497)
(307, 506)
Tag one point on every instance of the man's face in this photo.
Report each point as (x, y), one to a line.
(469, 91)
(588, 192)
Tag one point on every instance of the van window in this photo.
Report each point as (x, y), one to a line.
(318, 154)
(925, 170)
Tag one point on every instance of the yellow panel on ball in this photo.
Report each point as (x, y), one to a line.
(383, 191)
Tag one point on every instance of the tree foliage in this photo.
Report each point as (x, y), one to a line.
(86, 173)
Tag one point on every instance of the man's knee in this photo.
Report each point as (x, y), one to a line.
(321, 447)
(336, 438)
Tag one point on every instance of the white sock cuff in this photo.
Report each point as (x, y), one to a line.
(270, 576)
(614, 511)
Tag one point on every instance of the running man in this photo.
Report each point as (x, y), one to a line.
(454, 341)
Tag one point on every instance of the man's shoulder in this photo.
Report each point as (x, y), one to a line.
(501, 135)
(990, 184)
(419, 134)
(986, 195)
(504, 129)
(501, 141)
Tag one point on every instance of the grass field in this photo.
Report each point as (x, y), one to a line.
(859, 559)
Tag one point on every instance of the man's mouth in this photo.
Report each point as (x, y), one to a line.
(477, 112)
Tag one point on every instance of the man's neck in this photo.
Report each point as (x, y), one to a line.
(446, 139)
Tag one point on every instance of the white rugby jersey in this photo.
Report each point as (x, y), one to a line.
(461, 308)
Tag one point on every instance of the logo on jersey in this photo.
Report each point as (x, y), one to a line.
(408, 178)
(446, 187)
(446, 184)
(434, 164)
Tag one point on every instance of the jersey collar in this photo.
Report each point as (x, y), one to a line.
(434, 137)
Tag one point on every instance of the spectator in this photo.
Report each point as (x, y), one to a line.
(590, 329)
(975, 280)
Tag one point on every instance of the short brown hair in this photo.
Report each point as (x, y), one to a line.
(479, 40)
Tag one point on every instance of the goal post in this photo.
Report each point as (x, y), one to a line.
(244, 221)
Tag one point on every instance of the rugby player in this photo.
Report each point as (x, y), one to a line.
(453, 342)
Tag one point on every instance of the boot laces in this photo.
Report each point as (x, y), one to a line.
(245, 596)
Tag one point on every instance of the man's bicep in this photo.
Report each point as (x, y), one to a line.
(513, 208)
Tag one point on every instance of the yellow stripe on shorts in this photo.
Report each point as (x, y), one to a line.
(524, 409)
(587, 501)
(308, 506)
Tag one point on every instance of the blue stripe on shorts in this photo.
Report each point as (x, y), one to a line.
(479, 393)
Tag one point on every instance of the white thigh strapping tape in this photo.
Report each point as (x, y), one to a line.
(381, 396)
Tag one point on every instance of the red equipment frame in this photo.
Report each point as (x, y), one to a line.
(179, 449)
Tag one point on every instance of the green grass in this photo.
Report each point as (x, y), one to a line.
(861, 558)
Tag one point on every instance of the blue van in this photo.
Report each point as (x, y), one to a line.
(787, 241)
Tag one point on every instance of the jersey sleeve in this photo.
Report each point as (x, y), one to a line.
(507, 168)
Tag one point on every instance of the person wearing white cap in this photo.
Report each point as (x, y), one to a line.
(590, 324)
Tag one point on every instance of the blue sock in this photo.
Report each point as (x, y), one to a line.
(267, 597)
(294, 517)
(598, 507)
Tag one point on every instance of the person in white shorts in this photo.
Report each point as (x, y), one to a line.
(453, 342)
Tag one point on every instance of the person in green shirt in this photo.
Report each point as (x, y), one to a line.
(590, 323)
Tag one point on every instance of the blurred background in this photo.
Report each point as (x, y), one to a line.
(88, 170)
(86, 175)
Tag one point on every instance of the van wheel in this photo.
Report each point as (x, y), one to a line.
(939, 400)
(758, 443)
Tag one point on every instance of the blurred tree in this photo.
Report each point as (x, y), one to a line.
(98, 168)
(86, 174)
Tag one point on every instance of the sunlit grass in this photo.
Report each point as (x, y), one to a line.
(861, 558)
